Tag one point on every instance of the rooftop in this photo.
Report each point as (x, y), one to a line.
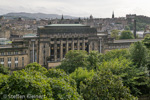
(127, 40)
(66, 25)
(30, 35)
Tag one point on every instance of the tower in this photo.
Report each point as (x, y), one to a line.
(113, 16)
(62, 17)
(91, 17)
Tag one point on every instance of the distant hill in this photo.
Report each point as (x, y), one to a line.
(36, 15)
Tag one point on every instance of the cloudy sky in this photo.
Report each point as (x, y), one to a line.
(79, 8)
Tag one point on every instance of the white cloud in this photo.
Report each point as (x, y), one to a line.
(83, 8)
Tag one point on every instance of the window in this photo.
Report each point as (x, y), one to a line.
(80, 46)
(2, 61)
(16, 52)
(70, 39)
(44, 55)
(58, 51)
(9, 64)
(75, 46)
(81, 38)
(16, 46)
(69, 46)
(16, 58)
(64, 50)
(22, 61)
(16, 64)
(44, 46)
(9, 61)
(9, 53)
(93, 46)
(16, 61)
(52, 39)
(58, 39)
(52, 53)
(75, 39)
(2, 53)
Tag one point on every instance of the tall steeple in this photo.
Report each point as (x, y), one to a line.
(113, 16)
(62, 17)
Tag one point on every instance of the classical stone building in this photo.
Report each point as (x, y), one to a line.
(53, 41)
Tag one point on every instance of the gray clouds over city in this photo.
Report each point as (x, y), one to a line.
(79, 8)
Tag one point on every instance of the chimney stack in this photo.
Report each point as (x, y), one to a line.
(134, 28)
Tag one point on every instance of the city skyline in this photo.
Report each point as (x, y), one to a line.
(82, 8)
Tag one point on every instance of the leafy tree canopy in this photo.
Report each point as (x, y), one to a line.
(73, 60)
(105, 86)
(146, 41)
(35, 67)
(126, 35)
(61, 74)
(4, 70)
(138, 53)
(35, 81)
(81, 75)
(24, 83)
(94, 60)
(115, 34)
(132, 76)
(127, 28)
(115, 54)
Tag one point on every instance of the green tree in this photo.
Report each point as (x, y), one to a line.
(115, 54)
(4, 70)
(126, 35)
(115, 34)
(61, 74)
(81, 75)
(94, 59)
(138, 53)
(105, 86)
(3, 81)
(54, 84)
(133, 77)
(25, 83)
(35, 67)
(146, 41)
(127, 28)
(74, 59)
(63, 86)
(62, 90)
(57, 73)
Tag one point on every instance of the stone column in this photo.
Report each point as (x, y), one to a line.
(61, 49)
(83, 44)
(72, 43)
(78, 44)
(55, 50)
(89, 47)
(49, 50)
(67, 45)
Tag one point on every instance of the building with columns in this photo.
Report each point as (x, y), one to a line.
(56, 40)
(53, 41)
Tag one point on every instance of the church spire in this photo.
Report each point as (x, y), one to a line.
(62, 17)
(113, 16)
